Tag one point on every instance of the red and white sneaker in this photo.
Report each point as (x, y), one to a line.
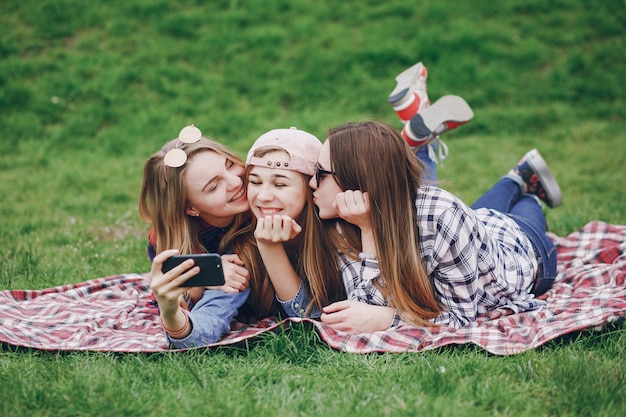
(410, 96)
(447, 113)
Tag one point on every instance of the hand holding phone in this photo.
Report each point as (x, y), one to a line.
(211, 273)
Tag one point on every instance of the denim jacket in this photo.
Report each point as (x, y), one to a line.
(296, 307)
(210, 318)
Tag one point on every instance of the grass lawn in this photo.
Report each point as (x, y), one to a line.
(88, 90)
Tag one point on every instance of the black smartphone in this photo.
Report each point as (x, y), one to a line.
(211, 272)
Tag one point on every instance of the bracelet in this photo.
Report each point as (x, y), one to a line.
(363, 255)
(176, 333)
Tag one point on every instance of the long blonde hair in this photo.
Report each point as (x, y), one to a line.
(163, 202)
(373, 157)
(163, 199)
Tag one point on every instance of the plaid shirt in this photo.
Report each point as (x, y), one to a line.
(478, 260)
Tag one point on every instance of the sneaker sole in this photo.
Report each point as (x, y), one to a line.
(553, 191)
(446, 109)
(406, 80)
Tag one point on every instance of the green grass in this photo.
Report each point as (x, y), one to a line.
(88, 90)
(292, 374)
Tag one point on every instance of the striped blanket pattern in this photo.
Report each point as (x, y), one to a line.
(119, 314)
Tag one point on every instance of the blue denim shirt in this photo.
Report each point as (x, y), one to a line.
(210, 318)
(296, 307)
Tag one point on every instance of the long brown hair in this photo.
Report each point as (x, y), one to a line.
(265, 297)
(374, 158)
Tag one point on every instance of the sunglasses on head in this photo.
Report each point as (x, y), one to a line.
(321, 173)
(177, 157)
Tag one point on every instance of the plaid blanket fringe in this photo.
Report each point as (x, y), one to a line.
(118, 313)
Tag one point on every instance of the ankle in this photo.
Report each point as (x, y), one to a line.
(514, 176)
(407, 107)
(411, 138)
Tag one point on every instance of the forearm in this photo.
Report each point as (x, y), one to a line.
(283, 276)
(176, 325)
(210, 318)
(368, 244)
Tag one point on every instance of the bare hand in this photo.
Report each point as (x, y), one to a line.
(236, 277)
(355, 317)
(167, 286)
(354, 207)
(276, 229)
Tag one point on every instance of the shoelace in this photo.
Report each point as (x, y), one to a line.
(437, 150)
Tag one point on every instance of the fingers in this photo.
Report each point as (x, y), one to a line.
(352, 202)
(175, 277)
(295, 228)
(157, 262)
(167, 287)
(337, 321)
(276, 229)
(337, 316)
(335, 307)
(232, 258)
(163, 283)
(234, 283)
(236, 277)
(357, 317)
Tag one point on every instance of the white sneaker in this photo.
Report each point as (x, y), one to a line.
(424, 128)
(410, 96)
(447, 113)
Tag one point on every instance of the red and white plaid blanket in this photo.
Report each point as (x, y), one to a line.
(118, 313)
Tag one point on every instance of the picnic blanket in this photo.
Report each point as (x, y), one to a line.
(119, 313)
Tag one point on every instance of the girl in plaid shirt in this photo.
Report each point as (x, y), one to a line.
(409, 252)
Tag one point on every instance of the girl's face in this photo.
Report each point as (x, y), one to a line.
(325, 193)
(273, 191)
(215, 188)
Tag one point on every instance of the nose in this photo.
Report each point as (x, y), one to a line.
(264, 194)
(313, 183)
(233, 181)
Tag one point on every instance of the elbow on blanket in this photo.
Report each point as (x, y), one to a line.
(202, 334)
(210, 318)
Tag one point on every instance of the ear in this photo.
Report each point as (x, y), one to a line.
(192, 212)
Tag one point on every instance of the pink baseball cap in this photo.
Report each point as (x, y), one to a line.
(303, 149)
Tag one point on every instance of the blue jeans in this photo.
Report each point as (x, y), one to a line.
(506, 196)
(429, 176)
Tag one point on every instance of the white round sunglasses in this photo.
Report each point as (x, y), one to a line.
(177, 157)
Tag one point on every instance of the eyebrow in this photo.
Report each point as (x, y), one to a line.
(273, 176)
(215, 178)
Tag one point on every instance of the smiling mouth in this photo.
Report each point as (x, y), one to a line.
(269, 211)
(240, 194)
